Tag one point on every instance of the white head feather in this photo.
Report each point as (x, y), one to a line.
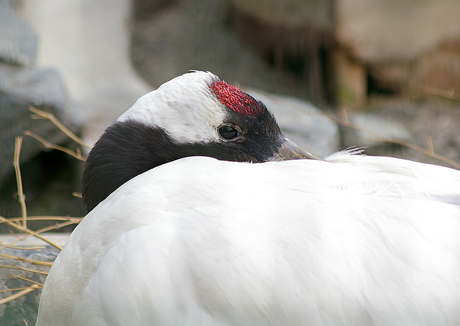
(190, 115)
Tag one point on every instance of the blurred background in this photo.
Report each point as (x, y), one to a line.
(390, 66)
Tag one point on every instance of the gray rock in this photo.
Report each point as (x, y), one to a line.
(24, 308)
(18, 43)
(88, 43)
(377, 125)
(34, 85)
(21, 87)
(301, 122)
(394, 30)
(404, 46)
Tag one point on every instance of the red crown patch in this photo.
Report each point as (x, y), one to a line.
(236, 100)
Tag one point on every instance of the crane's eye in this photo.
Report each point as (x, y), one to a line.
(228, 132)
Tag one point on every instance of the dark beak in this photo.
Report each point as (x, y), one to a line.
(291, 151)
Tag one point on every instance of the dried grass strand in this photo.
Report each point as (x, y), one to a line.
(45, 229)
(47, 144)
(77, 194)
(20, 294)
(47, 218)
(14, 289)
(17, 169)
(8, 245)
(57, 123)
(57, 226)
(28, 280)
(27, 230)
(69, 221)
(23, 269)
(31, 261)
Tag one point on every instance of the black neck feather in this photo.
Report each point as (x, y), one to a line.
(130, 148)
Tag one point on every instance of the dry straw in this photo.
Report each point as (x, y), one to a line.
(20, 223)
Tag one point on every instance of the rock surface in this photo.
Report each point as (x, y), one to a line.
(18, 43)
(406, 45)
(393, 30)
(193, 34)
(88, 43)
(384, 127)
(23, 85)
(429, 121)
(292, 36)
(24, 309)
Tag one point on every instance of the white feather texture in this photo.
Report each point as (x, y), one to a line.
(184, 107)
(355, 240)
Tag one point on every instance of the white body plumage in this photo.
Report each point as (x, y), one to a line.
(355, 241)
(177, 240)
